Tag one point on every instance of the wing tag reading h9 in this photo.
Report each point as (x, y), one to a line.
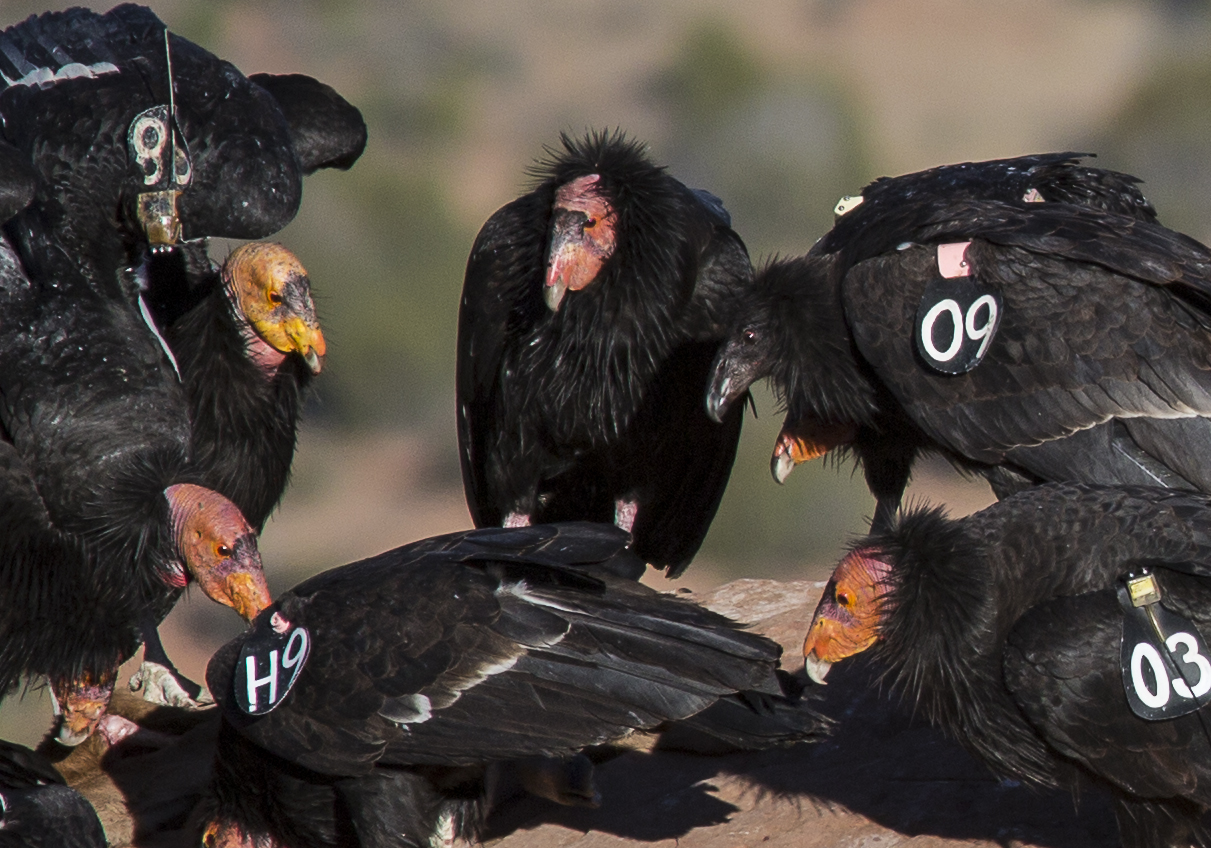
(1165, 662)
(269, 664)
(958, 316)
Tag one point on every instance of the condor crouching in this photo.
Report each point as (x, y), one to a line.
(1016, 630)
(424, 668)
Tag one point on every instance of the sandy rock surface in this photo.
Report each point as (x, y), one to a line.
(882, 780)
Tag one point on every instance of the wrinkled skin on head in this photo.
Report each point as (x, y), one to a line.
(805, 441)
(744, 359)
(219, 834)
(582, 238)
(850, 611)
(218, 548)
(83, 703)
(269, 287)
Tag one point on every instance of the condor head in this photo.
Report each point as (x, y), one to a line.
(849, 614)
(582, 238)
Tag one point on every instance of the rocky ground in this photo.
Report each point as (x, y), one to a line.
(881, 780)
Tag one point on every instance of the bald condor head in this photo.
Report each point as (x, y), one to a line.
(1020, 631)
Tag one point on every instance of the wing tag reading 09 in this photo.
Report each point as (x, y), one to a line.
(269, 664)
(1166, 675)
(958, 316)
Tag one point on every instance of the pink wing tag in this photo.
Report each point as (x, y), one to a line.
(952, 259)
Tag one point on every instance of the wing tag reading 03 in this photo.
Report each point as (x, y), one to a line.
(958, 315)
(269, 664)
(1167, 675)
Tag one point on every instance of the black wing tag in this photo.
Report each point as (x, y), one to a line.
(958, 315)
(1165, 662)
(269, 664)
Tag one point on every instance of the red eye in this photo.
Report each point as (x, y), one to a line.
(223, 550)
(844, 599)
(274, 297)
(750, 336)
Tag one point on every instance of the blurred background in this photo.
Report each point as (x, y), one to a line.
(778, 107)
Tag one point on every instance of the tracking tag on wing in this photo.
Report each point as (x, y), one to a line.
(1165, 662)
(269, 664)
(958, 316)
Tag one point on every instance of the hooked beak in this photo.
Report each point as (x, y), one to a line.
(247, 593)
(731, 377)
(307, 339)
(816, 668)
(83, 705)
(805, 442)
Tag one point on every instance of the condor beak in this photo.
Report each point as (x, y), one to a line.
(816, 668)
(83, 704)
(804, 442)
(246, 593)
(307, 339)
(737, 366)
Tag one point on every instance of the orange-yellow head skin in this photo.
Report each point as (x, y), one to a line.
(805, 442)
(582, 238)
(218, 548)
(221, 834)
(270, 288)
(848, 616)
(83, 702)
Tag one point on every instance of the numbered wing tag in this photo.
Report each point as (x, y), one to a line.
(269, 664)
(958, 315)
(1163, 677)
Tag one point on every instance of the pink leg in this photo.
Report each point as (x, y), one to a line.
(624, 513)
(516, 519)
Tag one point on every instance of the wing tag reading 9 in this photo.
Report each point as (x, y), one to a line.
(269, 664)
(1163, 678)
(958, 315)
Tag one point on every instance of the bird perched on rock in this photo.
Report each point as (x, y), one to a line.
(1058, 633)
(38, 809)
(1026, 318)
(370, 704)
(591, 310)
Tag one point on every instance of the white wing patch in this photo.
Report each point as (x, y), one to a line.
(45, 77)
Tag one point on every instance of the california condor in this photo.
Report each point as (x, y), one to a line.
(423, 667)
(591, 310)
(1014, 630)
(135, 137)
(102, 521)
(1081, 350)
(37, 809)
(246, 354)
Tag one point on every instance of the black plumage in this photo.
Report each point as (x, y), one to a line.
(1004, 629)
(431, 662)
(1097, 371)
(579, 395)
(38, 809)
(135, 136)
(247, 352)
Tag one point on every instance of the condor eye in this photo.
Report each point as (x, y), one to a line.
(222, 550)
(750, 336)
(844, 599)
(275, 298)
